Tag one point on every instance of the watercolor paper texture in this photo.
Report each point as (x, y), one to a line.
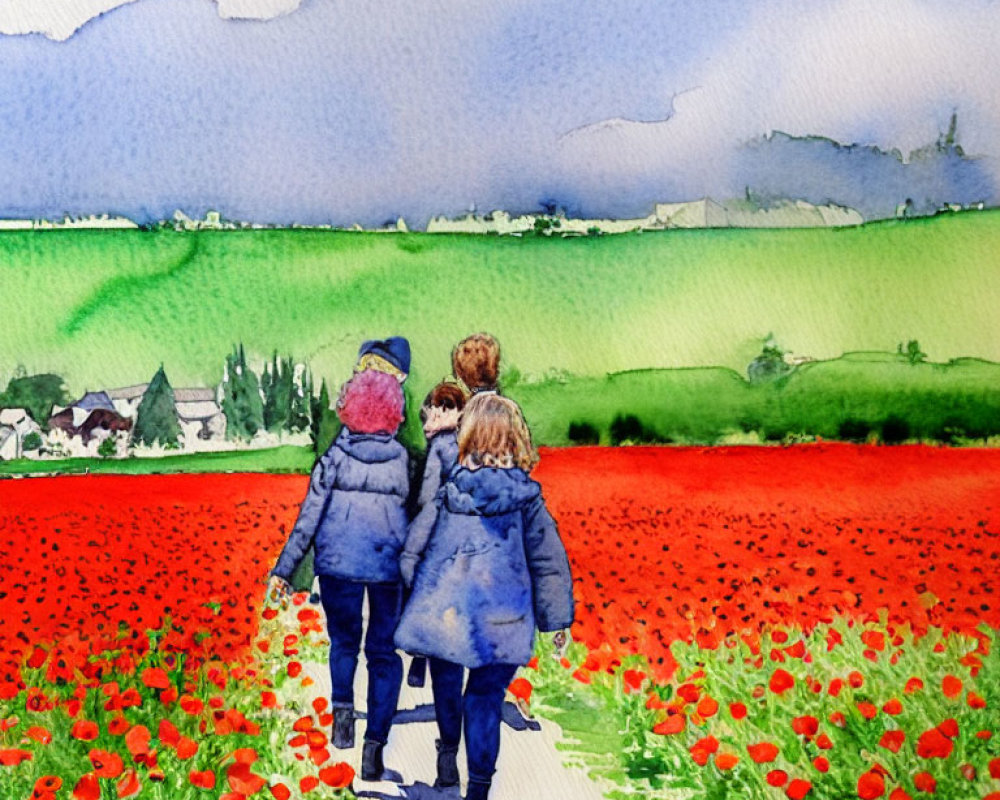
(743, 264)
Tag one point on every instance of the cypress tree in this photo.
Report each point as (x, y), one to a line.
(325, 421)
(156, 418)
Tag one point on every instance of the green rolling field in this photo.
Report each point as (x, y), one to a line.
(104, 308)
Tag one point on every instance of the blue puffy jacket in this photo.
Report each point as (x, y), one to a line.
(354, 512)
(493, 570)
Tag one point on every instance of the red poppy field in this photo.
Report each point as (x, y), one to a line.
(730, 601)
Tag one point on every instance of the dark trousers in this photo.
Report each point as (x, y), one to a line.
(342, 603)
(479, 708)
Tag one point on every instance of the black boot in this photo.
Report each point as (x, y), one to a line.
(447, 766)
(343, 728)
(371, 761)
(416, 674)
(477, 791)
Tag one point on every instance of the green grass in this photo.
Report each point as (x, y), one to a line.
(105, 308)
(277, 459)
(945, 402)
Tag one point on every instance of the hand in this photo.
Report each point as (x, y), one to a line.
(407, 568)
(279, 592)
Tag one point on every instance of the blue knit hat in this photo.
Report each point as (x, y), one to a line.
(395, 350)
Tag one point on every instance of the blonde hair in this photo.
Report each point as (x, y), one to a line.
(476, 361)
(493, 433)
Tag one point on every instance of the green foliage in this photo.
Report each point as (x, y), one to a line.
(769, 365)
(107, 448)
(628, 429)
(241, 397)
(156, 418)
(583, 433)
(31, 442)
(35, 393)
(895, 429)
(912, 352)
(324, 420)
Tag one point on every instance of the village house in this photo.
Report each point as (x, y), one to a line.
(79, 429)
(198, 412)
(16, 425)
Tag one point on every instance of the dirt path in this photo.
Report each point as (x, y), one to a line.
(529, 767)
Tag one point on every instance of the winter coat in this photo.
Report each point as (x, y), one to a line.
(493, 570)
(442, 455)
(354, 512)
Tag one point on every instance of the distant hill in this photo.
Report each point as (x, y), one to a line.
(876, 182)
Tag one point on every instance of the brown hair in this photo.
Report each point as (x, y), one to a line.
(493, 433)
(447, 395)
(476, 361)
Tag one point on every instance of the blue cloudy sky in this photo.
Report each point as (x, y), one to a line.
(330, 111)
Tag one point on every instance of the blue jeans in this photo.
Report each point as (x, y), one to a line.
(480, 708)
(342, 603)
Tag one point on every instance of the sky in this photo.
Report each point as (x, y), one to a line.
(342, 112)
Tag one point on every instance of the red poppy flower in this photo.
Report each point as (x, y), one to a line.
(913, 685)
(836, 685)
(191, 705)
(763, 752)
(128, 784)
(167, 733)
(137, 740)
(155, 678)
(856, 679)
(868, 710)
(319, 755)
(39, 734)
(303, 724)
(892, 740)
(48, 783)
(893, 707)
(823, 742)
(781, 681)
(338, 776)
(186, 748)
(242, 780)
(308, 783)
(519, 688)
(633, 679)
(268, 699)
(726, 761)
(702, 749)
(821, 764)
(934, 744)
(205, 779)
(798, 789)
(106, 765)
(294, 669)
(994, 768)
(968, 771)
(776, 777)
(87, 788)
(951, 686)
(674, 723)
(805, 726)
(837, 718)
(84, 730)
(899, 793)
(871, 785)
(975, 701)
(924, 782)
(11, 757)
(280, 792)
(737, 710)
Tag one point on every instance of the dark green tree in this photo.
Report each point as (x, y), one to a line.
(912, 352)
(241, 399)
(769, 365)
(325, 423)
(156, 418)
(35, 393)
(300, 409)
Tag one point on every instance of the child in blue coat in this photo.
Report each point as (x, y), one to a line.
(440, 414)
(487, 568)
(355, 515)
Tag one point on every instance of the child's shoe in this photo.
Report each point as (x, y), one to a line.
(371, 761)
(343, 727)
(447, 766)
(417, 672)
(477, 791)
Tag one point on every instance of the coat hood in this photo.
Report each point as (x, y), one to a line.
(489, 491)
(371, 448)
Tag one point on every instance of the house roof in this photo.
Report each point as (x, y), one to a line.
(199, 410)
(11, 416)
(128, 392)
(94, 400)
(194, 395)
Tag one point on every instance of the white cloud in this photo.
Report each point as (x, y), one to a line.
(60, 19)
(56, 19)
(858, 72)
